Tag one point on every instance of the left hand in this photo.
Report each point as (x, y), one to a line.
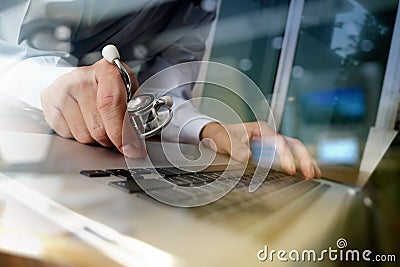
(234, 139)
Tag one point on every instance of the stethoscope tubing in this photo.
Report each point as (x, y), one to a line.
(125, 77)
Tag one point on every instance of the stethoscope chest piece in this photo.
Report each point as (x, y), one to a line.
(147, 115)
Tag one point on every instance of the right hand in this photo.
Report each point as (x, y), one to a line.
(234, 139)
(89, 105)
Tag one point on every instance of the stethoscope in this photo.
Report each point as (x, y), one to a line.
(148, 115)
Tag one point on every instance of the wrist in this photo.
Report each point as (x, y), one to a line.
(210, 129)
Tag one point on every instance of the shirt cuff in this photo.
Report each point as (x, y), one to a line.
(36, 73)
(190, 131)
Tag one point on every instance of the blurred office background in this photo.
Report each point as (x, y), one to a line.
(337, 73)
(322, 64)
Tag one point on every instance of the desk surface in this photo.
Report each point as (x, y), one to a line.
(28, 238)
(51, 207)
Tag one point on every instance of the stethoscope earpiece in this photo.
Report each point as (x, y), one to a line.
(148, 116)
(111, 54)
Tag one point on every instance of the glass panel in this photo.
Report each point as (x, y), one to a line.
(248, 37)
(337, 76)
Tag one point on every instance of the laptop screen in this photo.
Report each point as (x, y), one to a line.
(335, 79)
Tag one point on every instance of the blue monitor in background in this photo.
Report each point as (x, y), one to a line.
(342, 105)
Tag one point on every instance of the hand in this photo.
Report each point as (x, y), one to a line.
(233, 139)
(89, 104)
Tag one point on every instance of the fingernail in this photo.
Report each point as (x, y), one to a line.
(311, 171)
(318, 173)
(292, 168)
(131, 151)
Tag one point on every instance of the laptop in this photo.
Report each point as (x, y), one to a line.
(324, 60)
(285, 213)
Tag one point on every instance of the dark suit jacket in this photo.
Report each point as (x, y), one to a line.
(170, 32)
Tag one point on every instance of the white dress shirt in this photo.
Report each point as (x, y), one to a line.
(40, 40)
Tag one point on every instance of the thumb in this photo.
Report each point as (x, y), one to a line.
(239, 151)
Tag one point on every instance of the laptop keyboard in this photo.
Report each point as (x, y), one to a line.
(290, 195)
(275, 180)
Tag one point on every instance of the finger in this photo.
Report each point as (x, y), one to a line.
(132, 146)
(253, 130)
(259, 130)
(245, 132)
(317, 170)
(73, 116)
(52, 112)
(308, 165)
(285, 155)
(111, 104)
(86, 95)
(55, 119)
